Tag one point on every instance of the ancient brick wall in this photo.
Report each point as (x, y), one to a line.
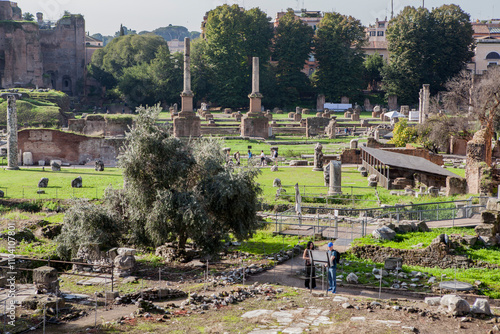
(70, 148)
(215, 130)
(373, 143)
(458, 146)
(20, 54)
(63, 51)
(351, 156)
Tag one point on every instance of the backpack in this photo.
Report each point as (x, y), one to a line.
(337, 257)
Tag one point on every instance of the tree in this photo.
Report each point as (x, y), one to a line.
(85, 224)
(233, 37)
(27, 16)
(478, 96)
(403, 133)
(372, 75)
(177, 190)
(337, 46)
(426, 48)
(291, 49)
(108, 64)
(436, 132)
(160, 80)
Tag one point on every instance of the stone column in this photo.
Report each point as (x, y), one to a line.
(255, 123)
(12, 144)
(318, 158)
(187, 124)
(335, 178)
(187, 94)
(320, 102)
(426, 101)
(255, 96)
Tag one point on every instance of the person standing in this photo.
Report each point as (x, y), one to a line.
(310, 270)
(332, 268)
(262, 158)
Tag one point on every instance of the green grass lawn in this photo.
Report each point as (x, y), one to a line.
(23, 183)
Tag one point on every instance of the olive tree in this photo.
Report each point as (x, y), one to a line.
(178, 190)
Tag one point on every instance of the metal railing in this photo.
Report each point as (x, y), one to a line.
(349, 223)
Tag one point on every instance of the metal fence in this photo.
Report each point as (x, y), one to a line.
(34, 192)
(351, 194)
(348, 223)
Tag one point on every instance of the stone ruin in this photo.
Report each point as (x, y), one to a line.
(318, 158)
(43, 183)
(331, 129)
(45, 280)
(478, 172)
(123, 259)
(99, 166)
(77, 183)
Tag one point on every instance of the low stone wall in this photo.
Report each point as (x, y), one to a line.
(435, 255)
(287, 130)
(98, 125)
(216, 130)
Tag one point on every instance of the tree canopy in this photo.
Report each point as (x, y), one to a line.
(233, 37)
(338, 44)
(426, 47)
(141, 68)
(177, 190)
(291, 48)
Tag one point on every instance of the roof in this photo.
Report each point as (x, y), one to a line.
(407, 162)
(494, 30)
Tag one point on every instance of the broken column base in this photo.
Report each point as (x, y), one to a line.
(256, 125)
(187, 125)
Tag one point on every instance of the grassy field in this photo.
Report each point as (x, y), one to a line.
(23, 183)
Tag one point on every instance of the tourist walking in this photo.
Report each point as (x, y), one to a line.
(262, 158)
(237, 158)
(310, 270)
(332, 268)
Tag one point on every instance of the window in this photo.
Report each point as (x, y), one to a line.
(493, 55)
(66, 83)
(380, 33)
(372, 33)
(381, 24)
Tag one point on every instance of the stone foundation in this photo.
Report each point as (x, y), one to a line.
(187, 126)
(255, 126)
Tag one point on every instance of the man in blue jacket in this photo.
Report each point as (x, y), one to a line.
(332, 268)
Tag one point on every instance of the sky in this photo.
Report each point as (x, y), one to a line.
(105, 16)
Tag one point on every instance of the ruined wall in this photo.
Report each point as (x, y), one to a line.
(215, 130)
(70, 148)
(435, 255)
(20, 54)
(316, 126)
(373, 143)
(98, 125)
(63, 52)
(351, 156)
(458, 146)
(477, 153)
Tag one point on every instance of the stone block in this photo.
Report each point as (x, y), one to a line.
(455, 186)
(55, 167)
(347, 114)
(433, 301)
(481, 306)
(355, 117)
(297, 117)
(319, 114)
(111, 295)
(384, 233)
(43, 183)
(486, 230)
(291, 115)
(126, 251)
(489, 217)
(393, 263)
(77, 183)
(364, 123)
